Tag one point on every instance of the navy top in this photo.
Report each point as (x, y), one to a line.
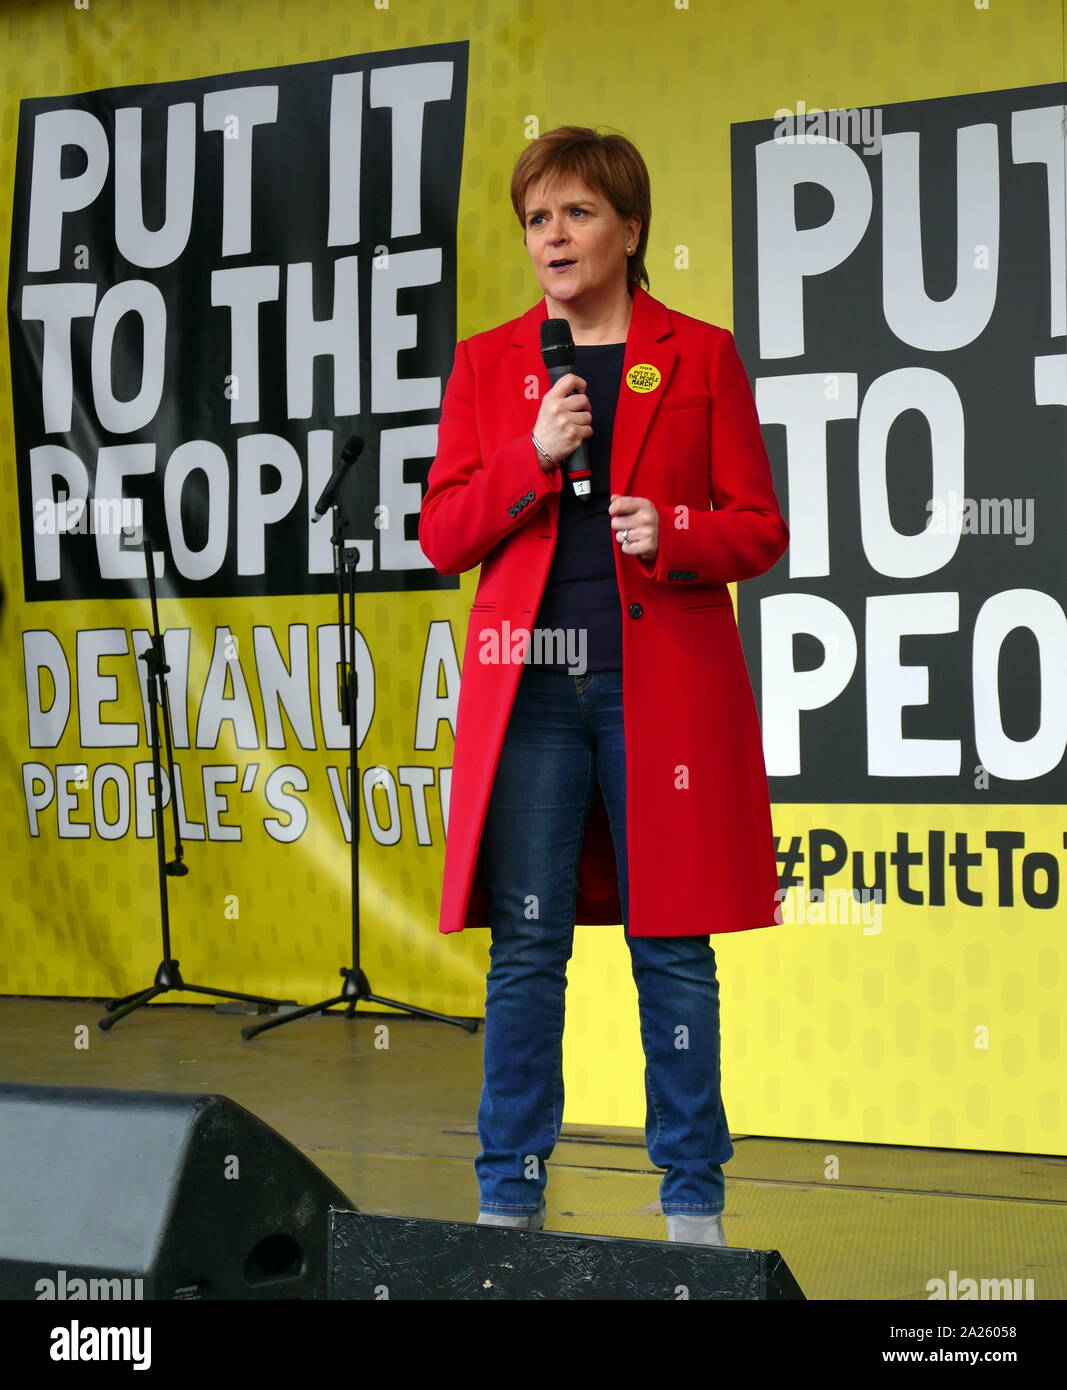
(582, 593)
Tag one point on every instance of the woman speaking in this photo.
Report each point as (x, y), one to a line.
(608, 761)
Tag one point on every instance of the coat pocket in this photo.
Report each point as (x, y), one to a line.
(708, 607)
(687, 402)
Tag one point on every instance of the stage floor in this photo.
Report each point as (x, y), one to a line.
(394, 1128)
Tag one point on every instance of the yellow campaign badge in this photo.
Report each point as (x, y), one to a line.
(643, 377)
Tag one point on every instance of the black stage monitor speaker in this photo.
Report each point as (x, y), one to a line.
(374, 1258)
(146, 1194)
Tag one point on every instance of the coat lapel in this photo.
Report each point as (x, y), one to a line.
(524, 380)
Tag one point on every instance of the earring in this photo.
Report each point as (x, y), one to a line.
(629, 250)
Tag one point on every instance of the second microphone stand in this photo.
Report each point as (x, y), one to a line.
(168, 975)
(356, 988)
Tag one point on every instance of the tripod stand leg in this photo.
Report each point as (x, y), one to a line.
(112, 1004)
(145, 997)
(305, 1012)
(469, 1025)
(232, 994)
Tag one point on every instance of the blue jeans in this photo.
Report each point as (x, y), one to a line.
(564, 731)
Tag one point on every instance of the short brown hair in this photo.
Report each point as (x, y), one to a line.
(606, 164)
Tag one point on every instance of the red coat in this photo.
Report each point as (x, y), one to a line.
(700, 848)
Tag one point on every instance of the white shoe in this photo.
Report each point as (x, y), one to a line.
(696, 1230)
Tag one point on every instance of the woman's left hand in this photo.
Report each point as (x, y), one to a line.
(640, 520)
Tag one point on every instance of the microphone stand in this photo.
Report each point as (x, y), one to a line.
(168, 976)
(356, 988)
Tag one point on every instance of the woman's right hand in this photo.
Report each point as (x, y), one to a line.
(563, 421)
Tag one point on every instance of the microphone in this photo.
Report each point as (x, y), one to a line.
(352, 450)
(557, 349)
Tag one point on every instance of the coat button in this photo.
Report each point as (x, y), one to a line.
(636, 610)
